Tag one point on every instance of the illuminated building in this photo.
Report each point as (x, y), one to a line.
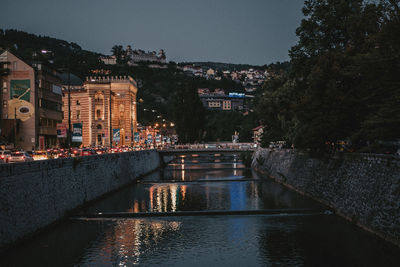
(105, 109)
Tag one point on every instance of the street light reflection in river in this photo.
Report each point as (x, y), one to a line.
(128, 240)
(164, 198)
(183, 169)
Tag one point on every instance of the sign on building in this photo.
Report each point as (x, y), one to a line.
(136, 136)
(41, 142)
(77, 132)
(61, 130)
(20, 89)
(18, 105)
(116, 135)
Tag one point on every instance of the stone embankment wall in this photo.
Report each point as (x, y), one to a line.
(36, 194)
(363, 188)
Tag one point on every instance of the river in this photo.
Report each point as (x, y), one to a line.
(289, 230)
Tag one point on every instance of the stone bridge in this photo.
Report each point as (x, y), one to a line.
(208, 148)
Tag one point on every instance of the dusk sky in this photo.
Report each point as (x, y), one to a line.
(232, 31)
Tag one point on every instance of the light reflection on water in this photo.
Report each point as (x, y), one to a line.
(312, 240)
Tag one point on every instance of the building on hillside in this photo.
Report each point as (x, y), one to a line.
(139, 55)
(193, 70)
(30, 103)
(217, 100)
(103, 110)
(109, 60)
(210, 72)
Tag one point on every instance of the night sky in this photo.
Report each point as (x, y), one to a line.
(232, 31)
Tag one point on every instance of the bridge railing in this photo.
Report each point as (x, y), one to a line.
(214, 146)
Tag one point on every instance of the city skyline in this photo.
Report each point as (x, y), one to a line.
(255, 32)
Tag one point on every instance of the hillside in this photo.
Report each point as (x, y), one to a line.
(219, 66)
(159, 88)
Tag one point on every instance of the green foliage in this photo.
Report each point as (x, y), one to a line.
(64, 54)
(220, 126)
(120, 54)
(189, 114)
(343, 82)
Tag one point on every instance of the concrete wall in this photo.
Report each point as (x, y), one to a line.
(363, 188)
(36, 194)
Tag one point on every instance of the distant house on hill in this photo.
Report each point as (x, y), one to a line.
(136, 56)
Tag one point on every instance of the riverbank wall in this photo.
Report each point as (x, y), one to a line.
(36, 194)
(363, 188)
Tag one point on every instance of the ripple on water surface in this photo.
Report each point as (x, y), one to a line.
(233, 241)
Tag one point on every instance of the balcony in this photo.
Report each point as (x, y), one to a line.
(4, 71)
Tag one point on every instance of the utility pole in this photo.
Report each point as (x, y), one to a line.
(15, 127)
(111, 131)
(69, 109)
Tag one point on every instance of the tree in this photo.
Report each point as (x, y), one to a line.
(342, 83)
(189, 114)
(120, 54)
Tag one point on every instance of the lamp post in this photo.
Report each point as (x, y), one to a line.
(110, 119)
(154, 135)
(15, 127)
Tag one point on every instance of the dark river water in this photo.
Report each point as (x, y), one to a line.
(305, 235)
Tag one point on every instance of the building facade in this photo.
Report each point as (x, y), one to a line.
(105, 110)
(18, 102)
(49, 107)
(30, 103)
(139, 55)
(217, 100)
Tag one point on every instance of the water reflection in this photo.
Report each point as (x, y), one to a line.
(200, 241)
(126, 241)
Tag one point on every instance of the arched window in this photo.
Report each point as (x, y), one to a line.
(99, 127)
(99, 96)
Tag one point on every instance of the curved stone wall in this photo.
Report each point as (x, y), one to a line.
(364, 188)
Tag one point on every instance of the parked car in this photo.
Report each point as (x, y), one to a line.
(5, 156)
(88, 152)
(20, 156)
(100, 150)
(39, 155)
(63, 153)
(75, 152)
